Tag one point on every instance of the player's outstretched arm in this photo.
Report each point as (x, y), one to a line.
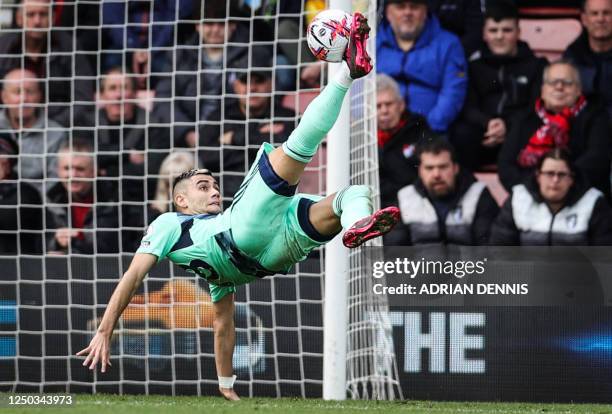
(225, 339)
(99, 347)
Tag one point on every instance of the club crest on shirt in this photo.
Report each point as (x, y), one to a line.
(571, 220)
(408, 150)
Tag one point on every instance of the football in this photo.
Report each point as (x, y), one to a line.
(328, 35)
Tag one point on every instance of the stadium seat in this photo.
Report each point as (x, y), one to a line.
(549, 37)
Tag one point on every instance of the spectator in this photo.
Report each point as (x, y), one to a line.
(52, 57)
(216, 45)
(23, 118)
(84, 223)
(21, 211)
(554, 207)
(505, 77)
(83, 21)
(427, 61)
(399, 131)
(463, 18)
(445, 205)
(230, 144)
(172, 166)
(563, 118)
(130, 142)
(592, 51)
(127, 25)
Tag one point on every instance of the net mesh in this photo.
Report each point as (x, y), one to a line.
(87, 86)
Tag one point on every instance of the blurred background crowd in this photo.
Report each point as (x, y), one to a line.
(494, 118)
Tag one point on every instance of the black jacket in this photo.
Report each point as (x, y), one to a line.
(177, 95)
(21, 219)
(595, 70)
(525, 219)
(462, 17)
(589, 144)
(104, 235)
(247, 137)
(144, 132)
(500, 86)
(77, 84)
(398, 166)
(464, 218)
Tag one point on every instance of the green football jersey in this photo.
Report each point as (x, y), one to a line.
(189, 241)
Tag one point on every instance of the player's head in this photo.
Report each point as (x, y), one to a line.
(196, 192)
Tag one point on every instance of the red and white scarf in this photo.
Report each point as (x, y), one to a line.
(554, 133)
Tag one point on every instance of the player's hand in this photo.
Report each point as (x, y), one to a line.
(97, 351)
(229, 394)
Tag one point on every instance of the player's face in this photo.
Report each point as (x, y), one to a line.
(34, 17)
(501, 37)
(20, 94)
(438, 172)
(389, 109)
(76, 173)
(203, 195)
(560, 88)
(597, 18)
(554, 180)
(407, 19)
(116, 96)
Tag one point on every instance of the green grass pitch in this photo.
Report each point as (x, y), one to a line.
(115, 404)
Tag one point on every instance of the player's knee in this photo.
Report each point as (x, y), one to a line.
(361, 190)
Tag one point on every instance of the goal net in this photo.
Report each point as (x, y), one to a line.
(111, 101)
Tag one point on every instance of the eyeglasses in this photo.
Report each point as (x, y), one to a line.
(563, 82)
(561, 175)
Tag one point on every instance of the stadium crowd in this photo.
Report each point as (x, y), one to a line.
(102, 105)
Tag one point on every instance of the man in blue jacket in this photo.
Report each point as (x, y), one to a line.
(427, 61)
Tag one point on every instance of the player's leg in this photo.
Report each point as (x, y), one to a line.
(290, 160)
(351, 209)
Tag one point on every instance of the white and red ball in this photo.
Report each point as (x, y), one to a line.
(328, 35)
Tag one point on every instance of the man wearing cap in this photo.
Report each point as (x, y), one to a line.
(193, 83)
(249, 120)
(427, 61)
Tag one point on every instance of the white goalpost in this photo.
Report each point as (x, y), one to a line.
(358, 352)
